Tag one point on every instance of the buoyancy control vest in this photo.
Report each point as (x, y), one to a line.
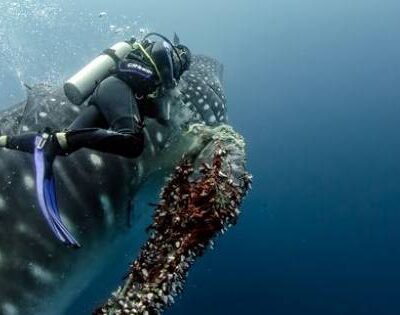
(139, 70)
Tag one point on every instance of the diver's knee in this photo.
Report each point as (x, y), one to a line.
(112, 84)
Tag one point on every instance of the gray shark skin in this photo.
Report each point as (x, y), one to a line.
(94, 190)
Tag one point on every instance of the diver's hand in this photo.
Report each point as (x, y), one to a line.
(168, 86)
(170, 92)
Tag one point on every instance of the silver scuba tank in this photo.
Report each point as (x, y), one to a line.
(81, 85)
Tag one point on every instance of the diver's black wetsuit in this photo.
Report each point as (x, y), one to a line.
(113, 120)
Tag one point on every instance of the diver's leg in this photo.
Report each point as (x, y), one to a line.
(24, 142)
(128, 144)
(108, 141)
(117, 104)
(89, 117)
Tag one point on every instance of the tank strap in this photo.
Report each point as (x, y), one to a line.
(143, 50)
(111, 53)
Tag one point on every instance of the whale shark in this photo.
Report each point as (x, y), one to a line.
(38, 275)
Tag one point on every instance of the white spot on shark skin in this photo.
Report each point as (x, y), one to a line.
(29, 182)
(25, 128)
(212, 119)
(96, 160)
(199, 88)
(75, 108)
(206, 107)
(150, 142)
(140, 169)
(43, 114)
(22, 228)
(40, 273)
(9, 309)
(107, 209)
(2, 204)
(53, 99)
(159, 136)
(201, 101)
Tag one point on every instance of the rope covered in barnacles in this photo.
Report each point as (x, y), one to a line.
(196, 204)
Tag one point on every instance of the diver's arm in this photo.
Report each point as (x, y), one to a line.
(162, 55)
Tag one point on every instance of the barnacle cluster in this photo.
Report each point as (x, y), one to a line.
(195, 205)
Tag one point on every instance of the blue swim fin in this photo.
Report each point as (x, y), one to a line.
(46, 193)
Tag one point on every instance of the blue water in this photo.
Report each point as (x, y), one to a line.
(314, 88)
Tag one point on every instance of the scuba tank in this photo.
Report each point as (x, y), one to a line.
(81, 85)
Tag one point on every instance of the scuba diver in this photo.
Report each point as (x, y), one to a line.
(125, 84)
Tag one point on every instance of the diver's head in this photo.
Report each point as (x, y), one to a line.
(181, 52)
(185, 57)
